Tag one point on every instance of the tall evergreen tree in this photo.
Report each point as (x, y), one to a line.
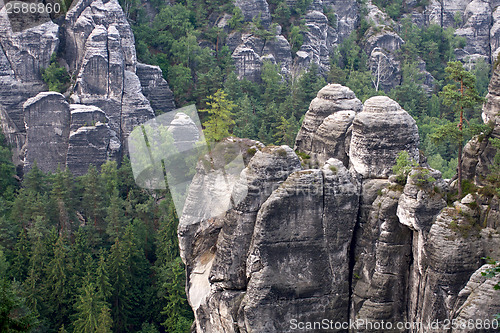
(58, 280)
(220, 116)
(462, 96)
(88, 307)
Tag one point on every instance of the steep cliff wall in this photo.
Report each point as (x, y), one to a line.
(97, 44)
(344, 240)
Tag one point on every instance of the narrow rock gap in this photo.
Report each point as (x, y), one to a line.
(412, 262)
(352, 245)
(10, 61)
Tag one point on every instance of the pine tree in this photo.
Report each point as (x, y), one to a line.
(177, 311)
(92, 199)
(119, 273)
(462, 96)
(14, 315)
(220, 116)
(115, 219)
(287, 131)
(20, 262)
(34, 180)
(102, 278)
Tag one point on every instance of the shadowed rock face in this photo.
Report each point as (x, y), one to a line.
(47, 119)
(298, 264)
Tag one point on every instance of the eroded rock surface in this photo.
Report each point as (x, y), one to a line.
(333, 242)
(99, 50)
(379, 133)
(47, 117)
(325, 130)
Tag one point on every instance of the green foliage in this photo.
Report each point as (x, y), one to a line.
(236, 21)
(177, 311)
(76, 279)
(461, 95)
(493, 271)
(403, 166)
(393, 8)
(8, 183)
(55, 76)
(220, 116)
(14, 314)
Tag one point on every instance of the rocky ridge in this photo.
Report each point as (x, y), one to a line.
(343, 240)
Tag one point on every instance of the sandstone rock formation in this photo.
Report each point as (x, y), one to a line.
(99, 49)
(343, 241)
(325, 130)
(479, 153)
(22, 55)
(379, 133)
(47, 118)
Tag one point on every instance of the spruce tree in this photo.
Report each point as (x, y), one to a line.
(87, 308)
(220, 116)
(57, 283)
(104, 321)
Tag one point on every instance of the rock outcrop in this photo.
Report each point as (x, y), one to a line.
(47, 117)
(91, 140)
(379, 133)
(325, 130)
(479, 153)
(298, 265)
(99, 50)
(22, 55)
(343, 241)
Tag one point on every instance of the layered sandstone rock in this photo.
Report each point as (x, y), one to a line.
(47, 117)
(379, 133)
(325, 130)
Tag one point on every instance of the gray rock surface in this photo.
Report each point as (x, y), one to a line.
(90, 139)
(249, 53)
(325, 130)
(382, 259)
(155, 88)
(88, 145)
(204, 245)
(476, 31)
(379, 133)
(319, 39)
(254, 8)
(22, 55)
(381, 46)
(99, 49)
(453, 253)
(47, 118)
(297, 264)
(347, 12)
(478, 300)
(478, 154)
(100, 45)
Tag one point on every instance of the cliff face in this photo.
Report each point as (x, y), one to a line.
(108, 95)
(343, 240)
